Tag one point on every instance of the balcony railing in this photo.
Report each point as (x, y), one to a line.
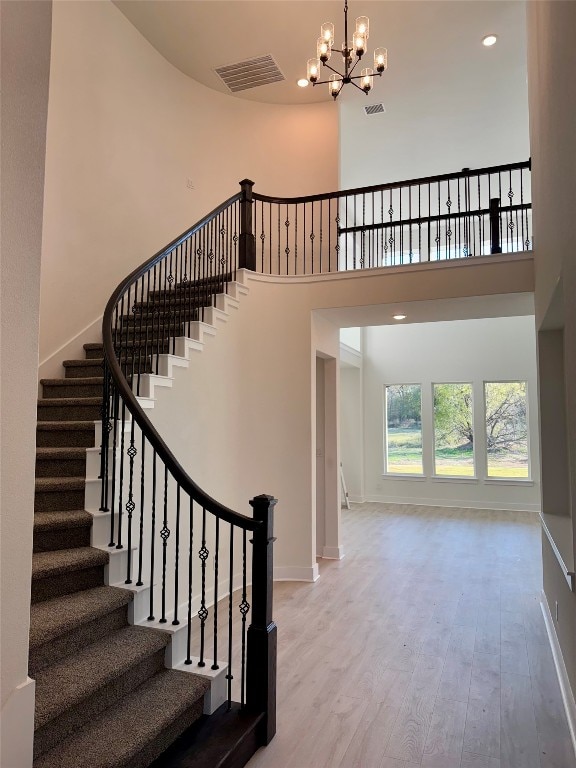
(453, 216)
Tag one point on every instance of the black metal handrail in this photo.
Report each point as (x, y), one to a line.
(158, 513)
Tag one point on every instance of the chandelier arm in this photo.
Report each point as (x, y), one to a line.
(357, 86)
(333, 70)
(359, 77)
(358, 59)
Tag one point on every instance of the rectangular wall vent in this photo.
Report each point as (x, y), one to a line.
(250, 73)
(374, 109)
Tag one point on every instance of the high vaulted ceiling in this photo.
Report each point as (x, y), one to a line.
(428, 41)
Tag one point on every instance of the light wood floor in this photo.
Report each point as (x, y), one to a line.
(425, 646)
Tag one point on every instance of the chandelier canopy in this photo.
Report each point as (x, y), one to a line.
(352, 53)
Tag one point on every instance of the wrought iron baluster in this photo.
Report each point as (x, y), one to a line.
(244, 608)
(119, 545)
(215, 610)
(175, 620)
(130, 504)
(229, 676)
(152, 536)
(190, 583)
(203, 554)
(164, 535)
(140, 583)
(115, 407)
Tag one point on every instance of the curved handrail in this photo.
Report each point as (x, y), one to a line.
(130, 400)
(392, 185)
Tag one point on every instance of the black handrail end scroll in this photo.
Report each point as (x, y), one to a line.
(262, 633)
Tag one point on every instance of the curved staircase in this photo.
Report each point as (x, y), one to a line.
(104, 697)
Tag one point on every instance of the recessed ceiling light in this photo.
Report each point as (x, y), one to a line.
(489, 40)
(399, 317)
(302, 82)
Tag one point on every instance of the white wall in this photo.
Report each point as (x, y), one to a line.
(551, 67)
(249, 398)
(126, 130)
(450, 102)
(25, 73)
(475, 351)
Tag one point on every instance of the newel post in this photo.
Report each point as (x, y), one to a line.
(247, 240)
(261, 651)
(495, 246)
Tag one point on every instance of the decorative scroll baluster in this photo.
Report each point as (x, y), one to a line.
(203, 612)
(130, 504)
(190, 583)
(140, 583)
(164, 535)
(152, 538)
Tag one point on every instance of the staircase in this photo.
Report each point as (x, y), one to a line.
(97, 678)
(104, 698)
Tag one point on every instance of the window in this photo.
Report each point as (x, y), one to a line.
(404, 429)
(506, 429)
(453, 430)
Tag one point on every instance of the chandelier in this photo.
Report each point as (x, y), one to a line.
(352, 53)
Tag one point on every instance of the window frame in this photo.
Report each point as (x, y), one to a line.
(461, 478)
(508, 480)
(386, 472)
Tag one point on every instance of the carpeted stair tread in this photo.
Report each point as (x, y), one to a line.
(61, 615)
(45, 564)
(47, 521)
(58, 402)
(64, 454)
(68, 682)
(118, 736)
(56, 484)
(94, 362)
(93, 345)
(48, 426)
(74, 383)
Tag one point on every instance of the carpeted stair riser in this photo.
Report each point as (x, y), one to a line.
(57, 388)
(70, 409)
(75, 717)
(54, 500)
(60, 647)
(69, 538)
(83, 369)
(69, 462)
(166, 737)
(151, 328)
(66, 583)
(63, 435)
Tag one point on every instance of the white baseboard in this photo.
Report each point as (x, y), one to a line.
(17, 727)
(356, 499)
(563, 679)
(418, 501)
(296, 573)
(333, 553)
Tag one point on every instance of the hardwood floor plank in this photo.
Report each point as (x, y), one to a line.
(411, 728)
(478, 761)
(556, 749)
(446, 732)
(519, 739)
(482, 732)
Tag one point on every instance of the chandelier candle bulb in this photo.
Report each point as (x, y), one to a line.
(323, 50)
(367, 79)
(380, 59)
(359, 44)
(327, 33)
(363, 26)
(334, 85)
(313, 70)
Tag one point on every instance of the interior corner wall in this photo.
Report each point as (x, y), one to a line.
(551, 68)
(126, 131)
(351, 431)
(491, 349)
(25, 44)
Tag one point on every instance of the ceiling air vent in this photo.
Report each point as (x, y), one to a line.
(250, 73)
(374, 109)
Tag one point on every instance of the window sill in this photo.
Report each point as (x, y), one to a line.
(509, 481)
(402, 476)
(454, 479)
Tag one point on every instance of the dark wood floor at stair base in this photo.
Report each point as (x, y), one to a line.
(227, 739)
